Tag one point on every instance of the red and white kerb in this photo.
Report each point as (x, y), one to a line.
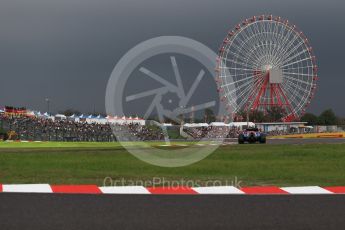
(94, 189)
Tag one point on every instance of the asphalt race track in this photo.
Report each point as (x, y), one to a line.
(54, 211)
(307, 141)
(298, 141)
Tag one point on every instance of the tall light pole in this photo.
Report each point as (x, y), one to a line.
(249, 110)
(182, 114)
(48, 105)
(192, 114)
(248, 118)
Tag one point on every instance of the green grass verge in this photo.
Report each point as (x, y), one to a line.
(90, 163)
(30, 145)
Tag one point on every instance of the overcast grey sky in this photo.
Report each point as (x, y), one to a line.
(67, 49)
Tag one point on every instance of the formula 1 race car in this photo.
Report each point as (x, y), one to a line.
(252, 135)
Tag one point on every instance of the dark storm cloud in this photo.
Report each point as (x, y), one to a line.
(66, 49)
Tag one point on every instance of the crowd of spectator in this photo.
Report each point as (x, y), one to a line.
(212, 132)
(278, 132)
(137, 132)
(45, 129)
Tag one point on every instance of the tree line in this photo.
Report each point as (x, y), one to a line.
(276, 114)
(273, 114)
(327, 117)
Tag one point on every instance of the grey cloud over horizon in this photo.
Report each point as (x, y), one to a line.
(67, 49)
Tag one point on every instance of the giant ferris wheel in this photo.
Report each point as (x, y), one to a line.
(266, 62)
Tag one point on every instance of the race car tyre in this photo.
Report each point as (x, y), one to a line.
(263, 139)
(241, 139)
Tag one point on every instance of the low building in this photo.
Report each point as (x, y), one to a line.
(286, 127)
(242, 125)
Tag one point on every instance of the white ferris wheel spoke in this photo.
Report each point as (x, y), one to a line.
(288, 64)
